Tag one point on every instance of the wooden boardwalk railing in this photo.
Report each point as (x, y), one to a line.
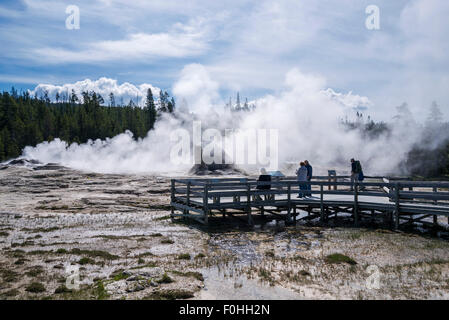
(397, 201)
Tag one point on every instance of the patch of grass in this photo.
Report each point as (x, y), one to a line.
(163, 217)
(36, 230)
(35, 271)
(165, 279)
(184, 256)
(145, 254)
(167, 241)
(113, 237)
(11, 293)
(304, 273)
(61, 251)
(269, 253)
(100, 291)
(141, 261)
(62, 289)
(355, 236)
(339, 258)
(35, 287)
(20, 261)
(63, 207)
(172, 294)
(9, 275)
(200, 255)
(86, 260)
(22, 244)
(39, 252)
(94, 254)
(18, 253)
(299, 258)
(156, 235)
(4, 234)
(265, 274)
(120, 276)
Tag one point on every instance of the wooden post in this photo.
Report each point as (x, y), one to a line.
(435, 189)
(248, 204)
(321, 203)
(435, 202)
(188, 196)
(356, 204)
(397, 206)
(289, 216)
(332, 178)
(172, 197)
(295, 213)
(206, 203)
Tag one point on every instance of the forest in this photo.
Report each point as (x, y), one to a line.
(27, 121)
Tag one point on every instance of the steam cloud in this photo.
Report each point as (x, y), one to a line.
(306, 114)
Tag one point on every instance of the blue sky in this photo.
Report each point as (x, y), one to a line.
(246, 46)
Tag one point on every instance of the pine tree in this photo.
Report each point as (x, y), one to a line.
(150, 109)
(111, 99)
(435, 115)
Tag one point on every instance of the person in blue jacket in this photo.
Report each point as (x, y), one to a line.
(301, 174)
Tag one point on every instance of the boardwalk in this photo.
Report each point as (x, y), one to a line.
(398, 202)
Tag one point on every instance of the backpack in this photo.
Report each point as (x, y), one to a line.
(361, 176)
(358, 167)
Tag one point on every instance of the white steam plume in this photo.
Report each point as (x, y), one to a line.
(306, 113)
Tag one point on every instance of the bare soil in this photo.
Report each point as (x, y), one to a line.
(116, 232)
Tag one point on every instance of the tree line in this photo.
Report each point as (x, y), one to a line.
(27, 121)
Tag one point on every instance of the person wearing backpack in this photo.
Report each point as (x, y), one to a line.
(309, 177)
(356, 173)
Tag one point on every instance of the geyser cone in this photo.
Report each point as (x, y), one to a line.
(223, 168)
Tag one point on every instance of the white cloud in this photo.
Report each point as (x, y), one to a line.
(104, 86)
(182, 40)
(246, 46)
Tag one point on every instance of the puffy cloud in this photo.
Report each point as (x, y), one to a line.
(104, 86)
(182, 40)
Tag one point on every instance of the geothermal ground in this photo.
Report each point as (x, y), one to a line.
(113, 234)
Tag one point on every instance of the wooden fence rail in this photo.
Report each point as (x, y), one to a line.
(397, 199)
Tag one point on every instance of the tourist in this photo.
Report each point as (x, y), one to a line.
(302, 176)
(264, 176)
(309, 178)
(356, 173)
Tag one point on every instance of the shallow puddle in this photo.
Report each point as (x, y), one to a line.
(218, 285)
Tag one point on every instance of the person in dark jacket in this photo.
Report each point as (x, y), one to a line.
(264, 176)
(356, 173)
(309, 178)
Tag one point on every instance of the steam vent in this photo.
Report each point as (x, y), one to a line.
(213, 168)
